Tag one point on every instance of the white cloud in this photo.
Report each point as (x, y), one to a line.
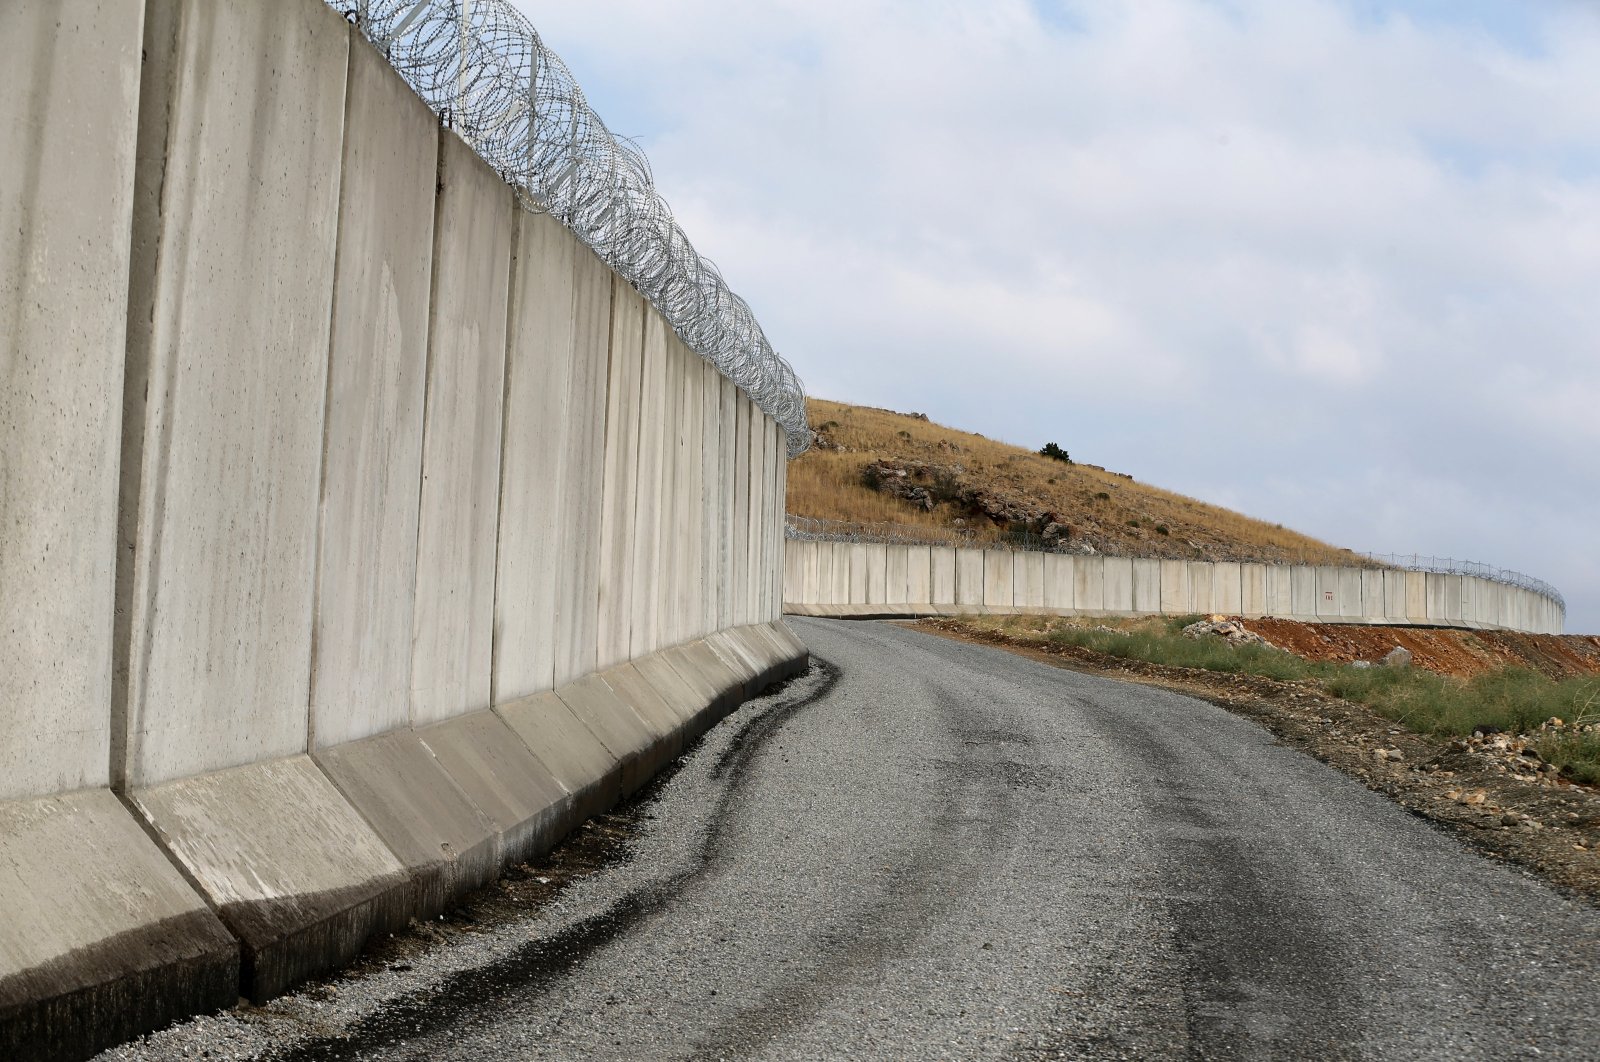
(1356, 256)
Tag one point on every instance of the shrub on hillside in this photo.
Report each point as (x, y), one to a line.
(1050, 449)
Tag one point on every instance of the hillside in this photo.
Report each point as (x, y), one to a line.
(875, 466)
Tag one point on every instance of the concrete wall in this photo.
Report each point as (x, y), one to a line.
(227, 375)
(434, 538)
(68, 128)
(926, 580)
(372, 441)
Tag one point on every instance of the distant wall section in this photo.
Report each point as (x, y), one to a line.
(946, 581)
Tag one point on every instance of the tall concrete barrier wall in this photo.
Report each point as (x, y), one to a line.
(940, 580)
(360, 531)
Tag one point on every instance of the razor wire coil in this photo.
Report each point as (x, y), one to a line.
(482, 68)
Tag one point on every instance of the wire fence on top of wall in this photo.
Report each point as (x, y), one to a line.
(482, 68)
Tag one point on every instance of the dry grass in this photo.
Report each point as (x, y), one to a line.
(1111, 512)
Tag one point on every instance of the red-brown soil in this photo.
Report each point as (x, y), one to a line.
(1447, 652)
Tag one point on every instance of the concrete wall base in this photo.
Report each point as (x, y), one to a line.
(571, 752)
(526, 804)
(101, 937)
(295, 872)
(447, 846)
(250, 879)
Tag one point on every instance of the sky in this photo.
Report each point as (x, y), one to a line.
(1331, 263)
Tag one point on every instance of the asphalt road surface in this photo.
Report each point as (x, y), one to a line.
(928, 849)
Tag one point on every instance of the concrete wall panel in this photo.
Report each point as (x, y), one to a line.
(739, 586)
(377, 367)
(824, 552)
(999, 590)
(776, 512)
(1436, 605)
(794, 572)
(1028, 579)
(1279, 584)
(1253, 589)
(1371, 595)
(713, 502)
(580, 531)
(1060, 579)
(538, 388)
(877, 572)
(1416, 584)
(919, 574)
(1227, 587)
(1349, 594)
(899, 561)
(969, 577)
(456, 534)
(1452, 598)
(840, 581)
(1302, 591)
(756, 444)
(231, 298)
(1118, 584)
(1089, 583)
(1202, 588)
(69, 91)
(1146, 585)
(727, 475)
(1175, 595)
(673, 541)
(1394, 595)
(942, 575)
(620, 475)
(648, 531)
(856, 569)
(1327, 592)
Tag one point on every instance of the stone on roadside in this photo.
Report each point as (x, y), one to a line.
(1399, 657)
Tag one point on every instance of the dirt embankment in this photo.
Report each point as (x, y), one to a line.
(878, 466)
(1447, 652)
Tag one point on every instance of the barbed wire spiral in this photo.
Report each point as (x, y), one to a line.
(482, 68)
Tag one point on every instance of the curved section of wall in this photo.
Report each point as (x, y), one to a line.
(875, 579)
(430, 538)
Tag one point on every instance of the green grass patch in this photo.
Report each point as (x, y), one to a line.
(1515, 700)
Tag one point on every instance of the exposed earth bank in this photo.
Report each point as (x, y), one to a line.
(1447, 652)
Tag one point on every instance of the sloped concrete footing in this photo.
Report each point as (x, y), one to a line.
(572, 753)
(100, 937)
(294, 871)
(446, 845)
(121, 917)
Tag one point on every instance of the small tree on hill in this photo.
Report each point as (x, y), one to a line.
(1052, 450)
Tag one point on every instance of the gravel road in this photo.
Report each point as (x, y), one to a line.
(931, 849)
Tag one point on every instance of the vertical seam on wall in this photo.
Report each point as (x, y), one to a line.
(427, 402)
(499, 451)
(327, 409)
(513, 304)
(144, 262)
(605, 435)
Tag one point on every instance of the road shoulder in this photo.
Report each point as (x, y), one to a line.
(1550, 828)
